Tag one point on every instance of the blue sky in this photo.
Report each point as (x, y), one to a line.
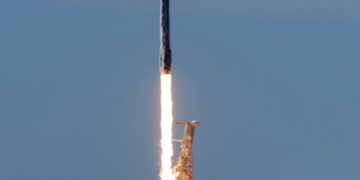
(283, 8)
(274, 85)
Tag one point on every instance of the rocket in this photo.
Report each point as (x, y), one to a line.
(165, 50)
(183, 170)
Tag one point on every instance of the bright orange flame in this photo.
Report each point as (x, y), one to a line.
(166, 128)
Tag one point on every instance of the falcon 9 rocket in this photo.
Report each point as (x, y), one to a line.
(165, 49)
(183, 169)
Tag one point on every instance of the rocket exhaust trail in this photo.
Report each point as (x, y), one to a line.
(166, 125)
(166, 172)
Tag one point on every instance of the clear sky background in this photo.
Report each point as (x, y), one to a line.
(275, 85)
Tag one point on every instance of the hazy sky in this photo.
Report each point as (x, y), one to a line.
(282, 8)
(274, 84)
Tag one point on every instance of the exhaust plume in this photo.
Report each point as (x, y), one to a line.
(166, 128)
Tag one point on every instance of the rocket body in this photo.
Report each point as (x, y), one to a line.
(165, 49)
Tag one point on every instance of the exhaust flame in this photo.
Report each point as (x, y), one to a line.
(166, 128)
